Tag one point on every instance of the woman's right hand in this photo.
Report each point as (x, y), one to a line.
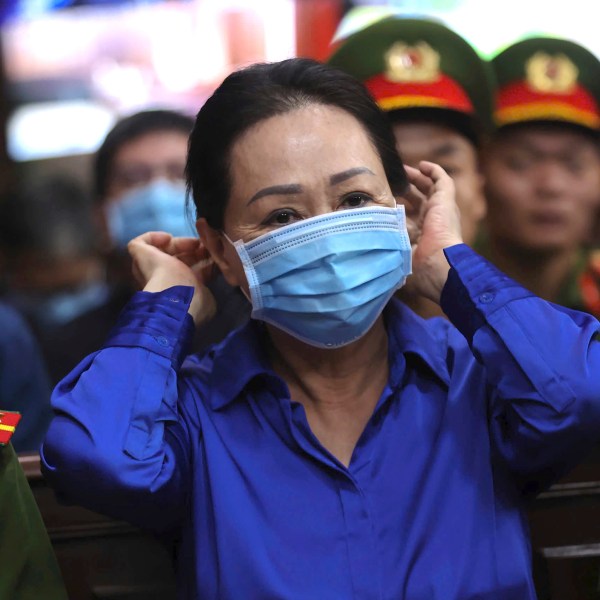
(161, 261)
(433, 221)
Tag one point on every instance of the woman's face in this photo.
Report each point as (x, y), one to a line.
(308, 162)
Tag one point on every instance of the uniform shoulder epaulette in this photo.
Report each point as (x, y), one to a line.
(8, 423)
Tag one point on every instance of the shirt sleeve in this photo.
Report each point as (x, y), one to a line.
(542, 365)
(118, 443)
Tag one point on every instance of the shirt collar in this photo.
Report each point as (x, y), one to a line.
(425, 338)
(238, 359)
(242, 356)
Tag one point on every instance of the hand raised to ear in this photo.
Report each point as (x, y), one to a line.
(434, 224)
(161, 261)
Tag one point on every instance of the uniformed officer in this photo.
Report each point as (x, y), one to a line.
(438, 92)
(28, 567)
(542, 170)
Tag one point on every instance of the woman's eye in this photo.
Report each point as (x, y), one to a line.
(281, 217)
(357, 200)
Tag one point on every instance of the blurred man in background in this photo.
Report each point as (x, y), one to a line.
(139, 183)
(139, 186)
(542, 171)
(437, 91)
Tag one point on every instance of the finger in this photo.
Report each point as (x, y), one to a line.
(197, 252)
(191, 258)
(166, 242)
(436, 173)
(182, 245)
(177, 246)
(421, 181)
(191, 251)
(152, 238)
(140, 245)
(432, 170)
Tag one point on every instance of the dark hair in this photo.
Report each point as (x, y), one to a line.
(130, 128)
(264, 90)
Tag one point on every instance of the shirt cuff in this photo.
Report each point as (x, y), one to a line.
(158, 322)
(475, 289)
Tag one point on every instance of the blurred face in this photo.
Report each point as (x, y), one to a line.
(156, 155)
(301, 164)
(543, 188)
(436, 143)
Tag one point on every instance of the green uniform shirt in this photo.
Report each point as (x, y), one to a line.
(28, 567)
(581, 291)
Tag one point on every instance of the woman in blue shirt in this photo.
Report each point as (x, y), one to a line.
(337, 446)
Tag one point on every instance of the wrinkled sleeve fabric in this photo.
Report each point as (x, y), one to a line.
(542, 366)
(119, 443)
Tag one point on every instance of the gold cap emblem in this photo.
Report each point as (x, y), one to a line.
(547, 73)
(406, 64)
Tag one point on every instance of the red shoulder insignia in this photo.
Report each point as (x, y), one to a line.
(8, 424)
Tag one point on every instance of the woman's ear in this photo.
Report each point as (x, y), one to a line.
(221, 251)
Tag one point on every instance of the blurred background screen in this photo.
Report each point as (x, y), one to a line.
(72, 67)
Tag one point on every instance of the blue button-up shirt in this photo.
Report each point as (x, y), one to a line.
(475, 418)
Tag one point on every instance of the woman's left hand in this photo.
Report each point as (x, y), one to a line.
(433, 222)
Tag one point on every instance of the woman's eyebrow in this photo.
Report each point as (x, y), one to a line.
(276, 190)
(296, 188)
(343, 175)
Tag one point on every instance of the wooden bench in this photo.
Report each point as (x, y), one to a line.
(100, 558)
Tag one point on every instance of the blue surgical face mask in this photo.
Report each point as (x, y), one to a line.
(326, 279)
(158, 206)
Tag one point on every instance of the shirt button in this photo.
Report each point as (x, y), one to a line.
(163, 341)
(486, 297)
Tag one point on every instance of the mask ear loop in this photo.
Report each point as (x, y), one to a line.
(227, 238)
(236, 247)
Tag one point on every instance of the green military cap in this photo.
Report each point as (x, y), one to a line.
(547, 79)
(409, 63)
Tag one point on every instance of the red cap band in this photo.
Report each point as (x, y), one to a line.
(442, 93)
